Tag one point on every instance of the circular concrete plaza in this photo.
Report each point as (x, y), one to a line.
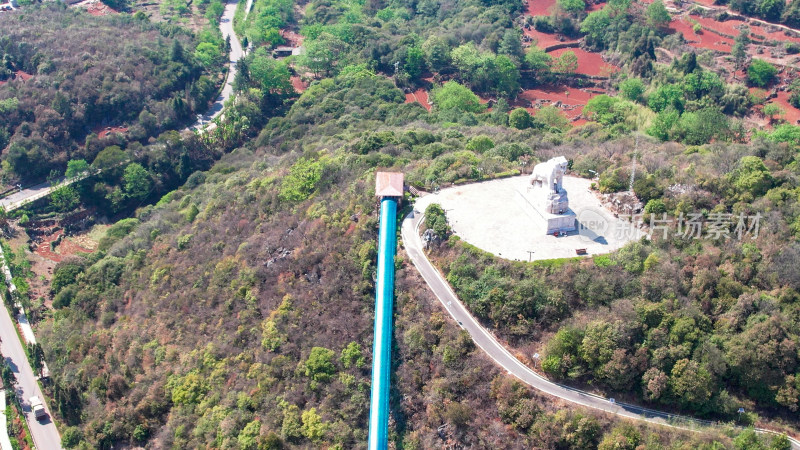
(495, 216)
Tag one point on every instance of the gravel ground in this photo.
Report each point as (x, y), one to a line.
(493, 216)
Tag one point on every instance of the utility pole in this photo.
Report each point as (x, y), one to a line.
(530, 255)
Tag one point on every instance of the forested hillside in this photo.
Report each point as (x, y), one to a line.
(191, 327)
(231, 304)
(66, 76)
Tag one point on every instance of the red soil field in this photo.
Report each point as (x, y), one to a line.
(792, 114)
(23, 76)
(705, 39)
(43, 248)
(588, 63)
(567, 95)
(19, 75)
(544, 40)
(758, 30)
(65, 248)
(573, 99)
(105, 131)
(420, 96)
(298, 84)
(729, 27)
(539, 7)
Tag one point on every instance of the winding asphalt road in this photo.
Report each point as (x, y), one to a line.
(44, 433)
(204, 121)
(502, 357)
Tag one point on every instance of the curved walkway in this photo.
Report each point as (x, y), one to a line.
(502, 357)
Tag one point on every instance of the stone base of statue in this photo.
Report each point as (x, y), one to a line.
(552, 222)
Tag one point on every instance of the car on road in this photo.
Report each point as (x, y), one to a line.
(38, 408)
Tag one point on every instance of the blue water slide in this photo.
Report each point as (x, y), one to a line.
(382, 346)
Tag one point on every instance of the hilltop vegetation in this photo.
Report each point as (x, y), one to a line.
(704, 321)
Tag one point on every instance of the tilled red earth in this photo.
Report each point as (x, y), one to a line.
(703, 39)
(589, 63)
(421, 96)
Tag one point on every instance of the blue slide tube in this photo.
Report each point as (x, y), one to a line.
(382, 346)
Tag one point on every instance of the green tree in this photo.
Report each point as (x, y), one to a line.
(437, 53)
(301, 181)
(322, 54)
(138, 182)
(291, 426)
(436, 220)
(595, 26)
(7, 374)
(667, 95)
(466, 59)
(71, 437)
(771, 10)
(506, 76)
(786, 133)
(655, 206)
(631, 257)
(657, 15)
(313, 427)
(781, 442)
(632, 88)
(748, 440)
(700, 127)
(207, 53)
(690, 383)
(572, 6)
(511, 44)
(109, 158)
(664, 123)
(567, 63)
(76, 167)
(480, 144)
(351, 356)
(622, 437)
(739, 50)
(761, 73)
(791, 15)
(771, 110)
(538, 61)
(271, 75)
(456, 96)
(598, 344)
(607, 110)
(751, 176)
(520, 119)
(248, 437)
(64, 199)
(319, 365)
(415, 62)
(551, 117)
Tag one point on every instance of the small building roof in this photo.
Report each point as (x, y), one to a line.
(284, 48)
(389, 184)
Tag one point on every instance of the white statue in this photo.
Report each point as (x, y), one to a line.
(546, 180)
